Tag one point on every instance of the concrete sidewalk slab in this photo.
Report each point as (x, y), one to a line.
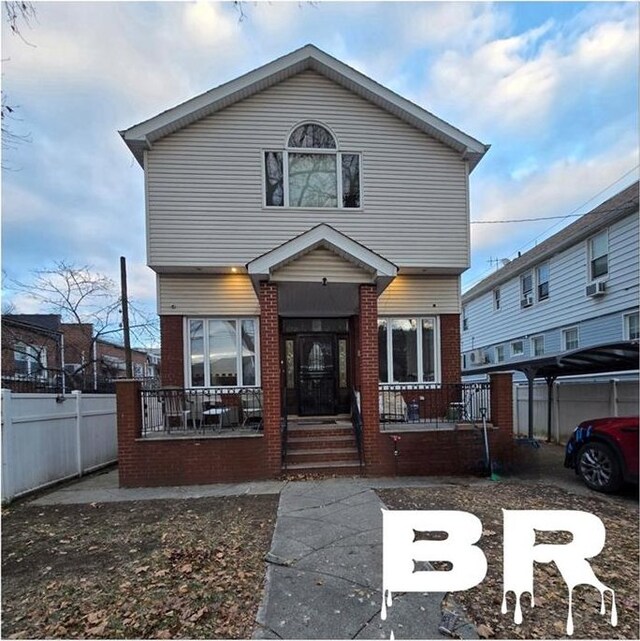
(324, 573)
(103, 488)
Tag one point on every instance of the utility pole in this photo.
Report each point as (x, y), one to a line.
(125, 316)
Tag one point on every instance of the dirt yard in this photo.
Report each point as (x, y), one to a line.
(617, 565)
(152, 569)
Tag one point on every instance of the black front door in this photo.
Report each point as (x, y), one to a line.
(317, 374)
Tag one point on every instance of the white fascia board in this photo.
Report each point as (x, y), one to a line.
(322, 234)
(308, 57)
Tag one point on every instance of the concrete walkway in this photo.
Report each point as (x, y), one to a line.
(103, 488)
(324, 574)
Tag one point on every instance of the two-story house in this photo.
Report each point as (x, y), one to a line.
(308, 228)
(567, 307)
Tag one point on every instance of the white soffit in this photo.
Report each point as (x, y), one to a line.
(141, 136)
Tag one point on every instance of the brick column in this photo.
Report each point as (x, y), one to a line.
(171, 351)
(502, 400)
(368, 377)
(129, 421)
(450, 347)
(270, 374)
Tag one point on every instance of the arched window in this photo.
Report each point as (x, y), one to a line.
(311, 135)
(311, 171)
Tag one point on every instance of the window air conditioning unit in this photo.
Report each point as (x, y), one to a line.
(527, 301)
(596, 289)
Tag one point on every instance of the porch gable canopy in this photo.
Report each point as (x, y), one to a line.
(374, 268)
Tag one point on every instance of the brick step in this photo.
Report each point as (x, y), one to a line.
(322, 456)
(318, 432)
(324, 442)
(336, 467)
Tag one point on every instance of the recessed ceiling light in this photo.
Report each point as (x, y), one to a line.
(234, 269)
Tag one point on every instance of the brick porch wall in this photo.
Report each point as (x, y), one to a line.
(152, 462)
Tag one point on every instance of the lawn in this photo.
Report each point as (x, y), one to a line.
(150, 569)
(616, 566)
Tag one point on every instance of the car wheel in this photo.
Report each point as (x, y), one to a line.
(599, 467)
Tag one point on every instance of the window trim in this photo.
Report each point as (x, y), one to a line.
(531, 291)
(207, 370)
(626, 329)
(564, 338)
(338, 151)
(604, 277)
(537, 281)
(32, 355)
(497, 300)
(437, 365)
(533, 346)
(495, 353)
(511, 344)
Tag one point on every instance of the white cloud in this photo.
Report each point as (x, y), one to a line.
(555, 190)
(517, 83)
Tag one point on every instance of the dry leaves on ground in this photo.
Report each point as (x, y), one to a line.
(616, 566)
(154, 569)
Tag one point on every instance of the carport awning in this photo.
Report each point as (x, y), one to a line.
(598, 359)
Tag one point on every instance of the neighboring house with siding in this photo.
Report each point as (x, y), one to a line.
(308, 229)
(576, 289)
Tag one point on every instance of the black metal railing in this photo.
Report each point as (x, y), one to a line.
(432, 405)
(284, 430)
(356, 422)
(173, 410)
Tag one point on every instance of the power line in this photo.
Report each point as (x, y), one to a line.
(571, 213)
(529, 220)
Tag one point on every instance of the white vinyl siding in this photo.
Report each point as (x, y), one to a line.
(223, 294)
(322, 263)
(421, 295)
(205, 183)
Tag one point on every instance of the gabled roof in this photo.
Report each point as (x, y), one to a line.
(322, 235)
(142, 136)
(610, 211)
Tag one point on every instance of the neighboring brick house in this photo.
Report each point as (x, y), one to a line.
(38, 348)
(31, 351)
(308, 229)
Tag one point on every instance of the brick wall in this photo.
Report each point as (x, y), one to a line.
(148, 462)
(270, 374)
(171, 351)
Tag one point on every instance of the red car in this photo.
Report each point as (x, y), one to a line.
(604, 452)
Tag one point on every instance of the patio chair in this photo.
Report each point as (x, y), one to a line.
(393, 408)
(176, 408)
(251, 403)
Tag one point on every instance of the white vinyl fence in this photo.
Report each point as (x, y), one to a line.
(573, 402)
(48, 438)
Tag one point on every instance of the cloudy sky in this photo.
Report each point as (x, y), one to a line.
(551, 86)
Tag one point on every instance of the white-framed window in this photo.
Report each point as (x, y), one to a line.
(499, 353)
(517, 348)
(312, 172)
(496, 299)
(222, 352)
(542, 281)
(30, 360)
(631, 327)
(599, 255)
(409, 350)
(570, 339)
(537, 345)
(526, 284)
(465, 320)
